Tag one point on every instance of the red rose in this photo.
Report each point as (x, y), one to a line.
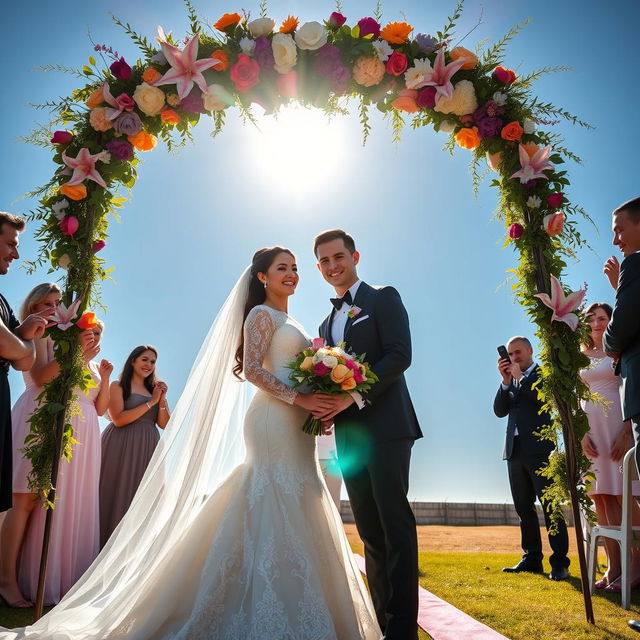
(515, 231)
(555, 200)
(336, 20)
(62, 137)
(397, 63)
(427, 97)
(504, 76)
(245, 73)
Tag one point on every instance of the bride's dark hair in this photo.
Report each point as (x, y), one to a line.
(262, 260)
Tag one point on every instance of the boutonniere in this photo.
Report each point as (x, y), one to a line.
(354, 311)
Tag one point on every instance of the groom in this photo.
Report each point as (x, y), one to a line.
(374, 440)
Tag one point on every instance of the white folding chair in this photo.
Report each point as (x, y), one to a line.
(626, 534)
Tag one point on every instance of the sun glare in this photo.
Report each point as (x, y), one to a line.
(299, 150)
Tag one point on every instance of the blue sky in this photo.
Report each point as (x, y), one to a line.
(196, 217)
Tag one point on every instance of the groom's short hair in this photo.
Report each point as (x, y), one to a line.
(632, 207)
(334, 234)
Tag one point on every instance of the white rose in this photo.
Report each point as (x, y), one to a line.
(247, 45)
(216, 98)
(311, 35)
(261, 27)
(447, 127)
(330, 361)
(64, 261)
(150, 100)
(285, 53)
(500, 98)
(462, 102)
(529, 126)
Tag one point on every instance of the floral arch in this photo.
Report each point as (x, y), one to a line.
(123, 109)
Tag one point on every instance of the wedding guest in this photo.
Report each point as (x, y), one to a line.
(138, 403)
(74, 540)
(608, 439)
(612, 271)
(43, 297)
(525, 453)
(328, 458)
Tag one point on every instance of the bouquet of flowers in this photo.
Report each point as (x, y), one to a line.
(331, 370)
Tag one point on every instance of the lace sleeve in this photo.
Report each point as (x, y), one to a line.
(258, 331)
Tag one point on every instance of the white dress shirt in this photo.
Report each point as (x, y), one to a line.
(340, 317)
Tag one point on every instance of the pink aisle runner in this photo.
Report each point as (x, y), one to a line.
(442, 621)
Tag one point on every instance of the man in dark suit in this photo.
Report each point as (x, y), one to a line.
(374, 439)
(525, 453)
(621, 339)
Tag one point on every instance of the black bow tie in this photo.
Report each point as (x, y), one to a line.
(338, 302)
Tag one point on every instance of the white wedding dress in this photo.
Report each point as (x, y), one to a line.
(263, 556)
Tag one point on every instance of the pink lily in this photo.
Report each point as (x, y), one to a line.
(84, 166)
(533, 166)
(122, 103)
(561, 304)
(64, 317)
(440, 77)
(185, 67)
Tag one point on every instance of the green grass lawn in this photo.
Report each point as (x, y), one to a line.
(520, 606)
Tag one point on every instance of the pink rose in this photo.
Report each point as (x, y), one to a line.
(553, 223)
(515, 231)
(336, 20)
(99, 245)
(245, 73)
(62, 137)
(69, 225)
(358, 377)
(555, 200)
(321, 369)
(287, 84)
(406, 101)
(317, 343)
(125, 102)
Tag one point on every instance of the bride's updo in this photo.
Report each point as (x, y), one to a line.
(262, 260)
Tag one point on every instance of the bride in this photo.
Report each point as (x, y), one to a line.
(228, 539)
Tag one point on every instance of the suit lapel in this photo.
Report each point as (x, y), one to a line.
(358, 301)
(326, 327)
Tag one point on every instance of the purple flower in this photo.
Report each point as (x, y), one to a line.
(327, 59)
(489, 127)
(340, 79)
(159, 58)
(336, 20)
(531, 184)
(120, 69)
(427, 97)
(263, 52)
(426, 43)
(193, 102)
(489, 109)
(128, 124)
(121, 149)
(367, 26)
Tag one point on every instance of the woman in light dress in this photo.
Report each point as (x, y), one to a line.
(608, 439)
(229, 538)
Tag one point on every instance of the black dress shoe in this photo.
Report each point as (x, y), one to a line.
(559, 573)
(634, 624)
(525, 566)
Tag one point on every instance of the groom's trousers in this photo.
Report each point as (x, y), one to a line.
(378, 494)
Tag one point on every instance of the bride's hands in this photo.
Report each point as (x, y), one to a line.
(317, 404)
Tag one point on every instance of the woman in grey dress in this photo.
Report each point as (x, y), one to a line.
(138, 402)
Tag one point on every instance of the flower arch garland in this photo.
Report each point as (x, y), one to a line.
(483, 107)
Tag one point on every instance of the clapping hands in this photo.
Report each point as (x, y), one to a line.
(612, 271)
(159, 392)
(105, 369)
(89, 345)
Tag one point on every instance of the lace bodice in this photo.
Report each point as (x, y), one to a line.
(600, 377)
(271, 340)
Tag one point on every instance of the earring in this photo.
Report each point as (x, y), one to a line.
(265, 285)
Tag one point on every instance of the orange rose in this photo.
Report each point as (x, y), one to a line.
(468, 138)
(289, 25)
(223, 58)
(95, 99)
(150, 75)
(348, 384)
(396, 32)
(554, 223)
(512, 131)
(228, 20)
(340, 373)
(530, 148)
(406, 101)
(170, 116)
(307, 364)
(143, 141)
(460, 53)
(98, 119)
(87, 320)
(75, 192)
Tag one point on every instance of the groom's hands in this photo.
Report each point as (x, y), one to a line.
(340, 403)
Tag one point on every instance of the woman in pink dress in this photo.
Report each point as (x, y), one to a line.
(41, 298)
(608, 439)
(74, 541)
